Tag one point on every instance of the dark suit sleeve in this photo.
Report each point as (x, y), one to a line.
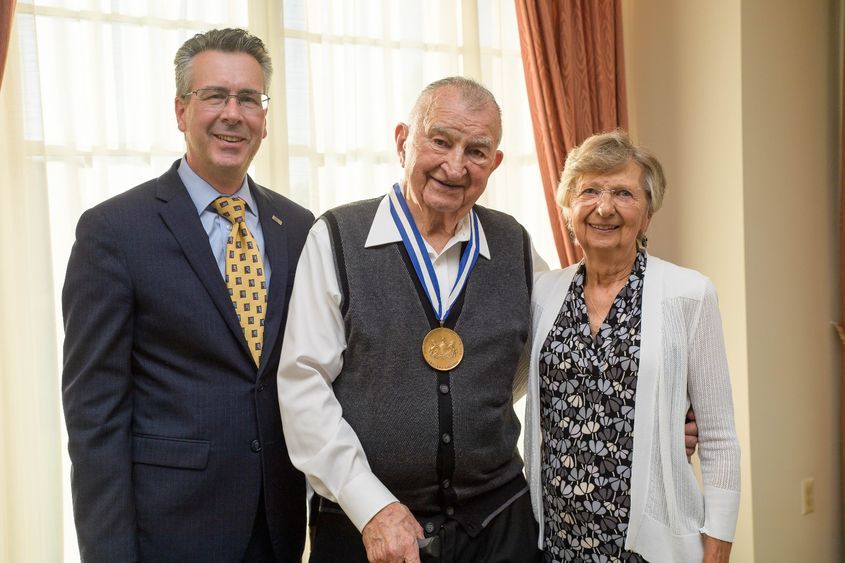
(97, 304)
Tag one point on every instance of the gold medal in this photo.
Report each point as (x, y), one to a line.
(442, 349)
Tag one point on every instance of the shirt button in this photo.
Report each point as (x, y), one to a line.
(261, 388)
(444, 388)
(255, 446)
(446, 483)
(429, 527)
(450, 511)
(446, 438)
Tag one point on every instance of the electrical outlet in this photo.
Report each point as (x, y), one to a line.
(808, 501)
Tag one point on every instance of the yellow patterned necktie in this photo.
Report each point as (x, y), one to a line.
(244, 273)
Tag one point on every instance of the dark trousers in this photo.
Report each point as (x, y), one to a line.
(511, 537)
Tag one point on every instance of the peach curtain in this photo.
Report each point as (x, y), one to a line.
(574, 68)
(7, 12)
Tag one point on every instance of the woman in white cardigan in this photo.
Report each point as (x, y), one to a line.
(623, 343)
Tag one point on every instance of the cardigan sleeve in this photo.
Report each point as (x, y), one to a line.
(709, 390)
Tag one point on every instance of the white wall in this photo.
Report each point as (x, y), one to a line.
(790, 118)
(738, 99)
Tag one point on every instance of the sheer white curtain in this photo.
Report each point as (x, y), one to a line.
(86, 112)
(352, 70)
(30, 455)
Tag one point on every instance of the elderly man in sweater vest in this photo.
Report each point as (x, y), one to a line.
(407, 320)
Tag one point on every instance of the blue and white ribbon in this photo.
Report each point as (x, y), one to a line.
(415, 245)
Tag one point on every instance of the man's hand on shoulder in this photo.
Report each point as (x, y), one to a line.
(391, 535)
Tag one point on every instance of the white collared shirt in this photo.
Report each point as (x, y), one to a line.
(384, 231)
(320, 442)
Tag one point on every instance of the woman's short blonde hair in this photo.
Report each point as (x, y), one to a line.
(606, 152)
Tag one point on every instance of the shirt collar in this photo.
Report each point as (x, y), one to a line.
(384, 231)
(202, 193)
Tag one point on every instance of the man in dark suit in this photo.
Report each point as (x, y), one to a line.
(169, 384)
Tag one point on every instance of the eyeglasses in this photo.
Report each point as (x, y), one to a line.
(623, 197)
(217, 98)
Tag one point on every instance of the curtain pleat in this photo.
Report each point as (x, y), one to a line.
(7, 12)
(839, 327)
(575, 74)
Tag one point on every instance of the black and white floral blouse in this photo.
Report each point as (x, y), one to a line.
(587, 389)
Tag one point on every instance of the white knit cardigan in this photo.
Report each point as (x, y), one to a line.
(682, 362)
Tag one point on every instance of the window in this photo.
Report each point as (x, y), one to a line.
(96, 90)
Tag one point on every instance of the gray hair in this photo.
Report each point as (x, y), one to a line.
(229, 40)
(474, 94)
(606, 152)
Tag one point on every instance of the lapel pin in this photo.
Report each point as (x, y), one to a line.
(277, 220)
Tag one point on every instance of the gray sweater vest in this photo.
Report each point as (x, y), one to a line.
(435, 439)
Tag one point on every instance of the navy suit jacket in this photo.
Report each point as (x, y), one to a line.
(173, 431)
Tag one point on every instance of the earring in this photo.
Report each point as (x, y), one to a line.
(643, 240)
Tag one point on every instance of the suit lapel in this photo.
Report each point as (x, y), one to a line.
(180, 216)
(276, 251)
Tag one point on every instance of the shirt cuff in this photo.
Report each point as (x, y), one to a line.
(363, 497)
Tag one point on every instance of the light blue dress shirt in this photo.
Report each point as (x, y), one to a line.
(216, 227)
